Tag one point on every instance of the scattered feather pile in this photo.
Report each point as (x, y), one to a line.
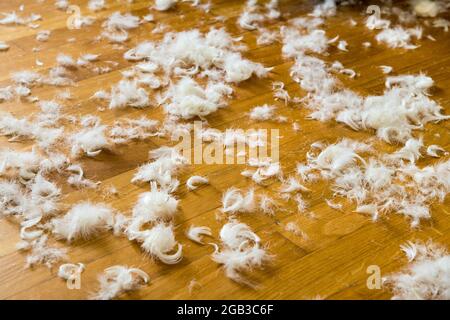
(214, 55)
(385, 183)
(427, 277)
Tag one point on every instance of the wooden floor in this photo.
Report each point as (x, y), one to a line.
(331, 264)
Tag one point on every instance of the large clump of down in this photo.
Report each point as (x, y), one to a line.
(160, 241)
(241, 251)
(188, 55)
(427, 277)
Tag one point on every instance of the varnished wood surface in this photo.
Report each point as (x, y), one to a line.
(331, 264)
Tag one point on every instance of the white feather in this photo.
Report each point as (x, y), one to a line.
(193, 182)
(164, 5)
(117, 280)
(241, 251)
(195, 233)
(235, 201)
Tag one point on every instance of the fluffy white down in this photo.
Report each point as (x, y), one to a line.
(427, 277)
(267, 205)
(83, 220)
(154, 205)
(373, 22)
(188, 99)
(167, 162)
(241, 251)
(117, 280)
(399, 37)
(250, 17)
(91, 141)
(292, 185)
(128, 93)
(265, 170)
(96, 5)
(126, 130)
(336, 157)
(403, 108)
(41, 253)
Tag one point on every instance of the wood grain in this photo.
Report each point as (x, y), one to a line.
(332, 263)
